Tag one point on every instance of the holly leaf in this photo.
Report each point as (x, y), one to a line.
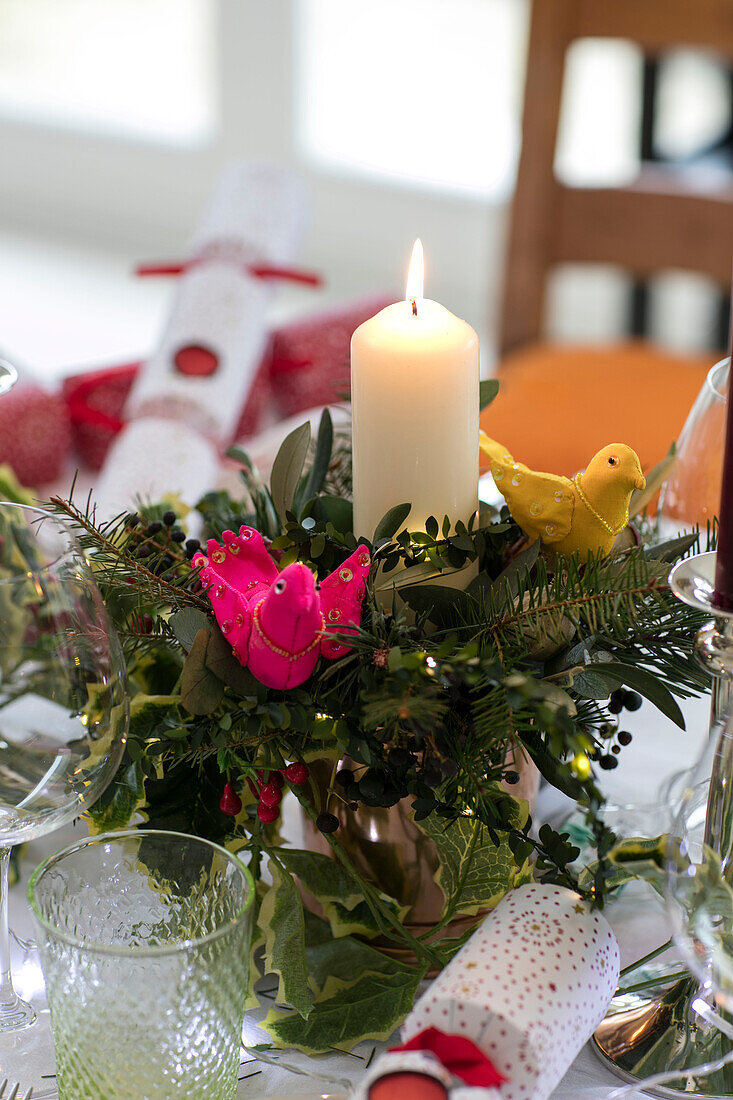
(371, 1008)
(336, 891)
(287, 468)
(201, 690)
(487, 391)
(281, 918)
(473, 872)
(336, 963)
(322, 876)
(186, 624)
(116, 805)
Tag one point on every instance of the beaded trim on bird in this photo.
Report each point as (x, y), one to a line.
(604, 523)
(283, 652)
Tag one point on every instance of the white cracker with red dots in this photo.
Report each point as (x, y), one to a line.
(529, 987)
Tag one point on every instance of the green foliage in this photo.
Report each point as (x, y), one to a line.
(281, 918)
(443, 687)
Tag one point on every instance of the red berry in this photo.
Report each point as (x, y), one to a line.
(271, 795)
(272, 777)
(266, 814)
(297, 774)
(231, 803)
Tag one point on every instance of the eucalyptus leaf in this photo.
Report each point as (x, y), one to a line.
(335, 510)
(201, 690)
(646, 683)
(287, 468)
(673, 549)
(487, 391)
(221, 661)
(444, 605)
(321, 459)
(391, 522)
(282, 921)
(186, 624)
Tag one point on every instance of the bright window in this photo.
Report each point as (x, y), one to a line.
(423, 92)
(138, 67)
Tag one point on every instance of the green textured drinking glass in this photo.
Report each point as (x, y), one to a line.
(145, 942)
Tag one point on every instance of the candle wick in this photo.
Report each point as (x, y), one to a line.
(414, 306)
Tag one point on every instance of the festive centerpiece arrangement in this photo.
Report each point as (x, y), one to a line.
(280, 654)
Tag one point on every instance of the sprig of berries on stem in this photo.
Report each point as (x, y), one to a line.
(268, 790)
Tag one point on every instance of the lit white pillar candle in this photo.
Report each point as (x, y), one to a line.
(415, 408)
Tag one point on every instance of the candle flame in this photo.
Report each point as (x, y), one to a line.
(416, 276)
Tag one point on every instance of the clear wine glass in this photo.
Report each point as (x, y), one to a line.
(691, 494)
(63, 700)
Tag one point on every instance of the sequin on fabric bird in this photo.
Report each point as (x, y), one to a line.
(278, 623)
(584, 514)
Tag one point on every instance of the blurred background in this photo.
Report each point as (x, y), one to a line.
(404, 116)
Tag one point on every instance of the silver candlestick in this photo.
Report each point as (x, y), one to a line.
(643, 1035)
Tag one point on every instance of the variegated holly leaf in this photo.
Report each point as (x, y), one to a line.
(474, 873)
(338, 893)
(281, 918)
(371, 1008)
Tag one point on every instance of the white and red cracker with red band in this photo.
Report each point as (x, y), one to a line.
(529, 987)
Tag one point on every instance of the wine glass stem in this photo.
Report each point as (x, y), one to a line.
(7, 992)
(14, 1013)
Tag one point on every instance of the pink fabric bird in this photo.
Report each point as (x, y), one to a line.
(279, 623)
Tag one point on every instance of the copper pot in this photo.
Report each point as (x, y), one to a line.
(388, 849)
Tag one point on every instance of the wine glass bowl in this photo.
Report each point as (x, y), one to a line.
(63, 698)
(691, 494)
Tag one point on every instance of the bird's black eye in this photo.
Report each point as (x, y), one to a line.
(280, 586)
(613, 461)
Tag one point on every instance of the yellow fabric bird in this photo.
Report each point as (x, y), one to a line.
(584, 514)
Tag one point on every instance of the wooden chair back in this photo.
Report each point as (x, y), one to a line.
(661, 220)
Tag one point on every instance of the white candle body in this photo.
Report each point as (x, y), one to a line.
(415, 407)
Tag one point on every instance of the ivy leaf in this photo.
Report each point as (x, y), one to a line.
(287, 468)
(645, 683)
(487, 391)
(221, 661)
(371, 1008)
(281, 919)
(473, 871)
(186, 624)
(391, 522)
(201, 690)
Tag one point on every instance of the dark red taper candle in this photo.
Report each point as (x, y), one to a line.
(724, 559)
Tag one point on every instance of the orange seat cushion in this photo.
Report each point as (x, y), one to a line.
(558, 405)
